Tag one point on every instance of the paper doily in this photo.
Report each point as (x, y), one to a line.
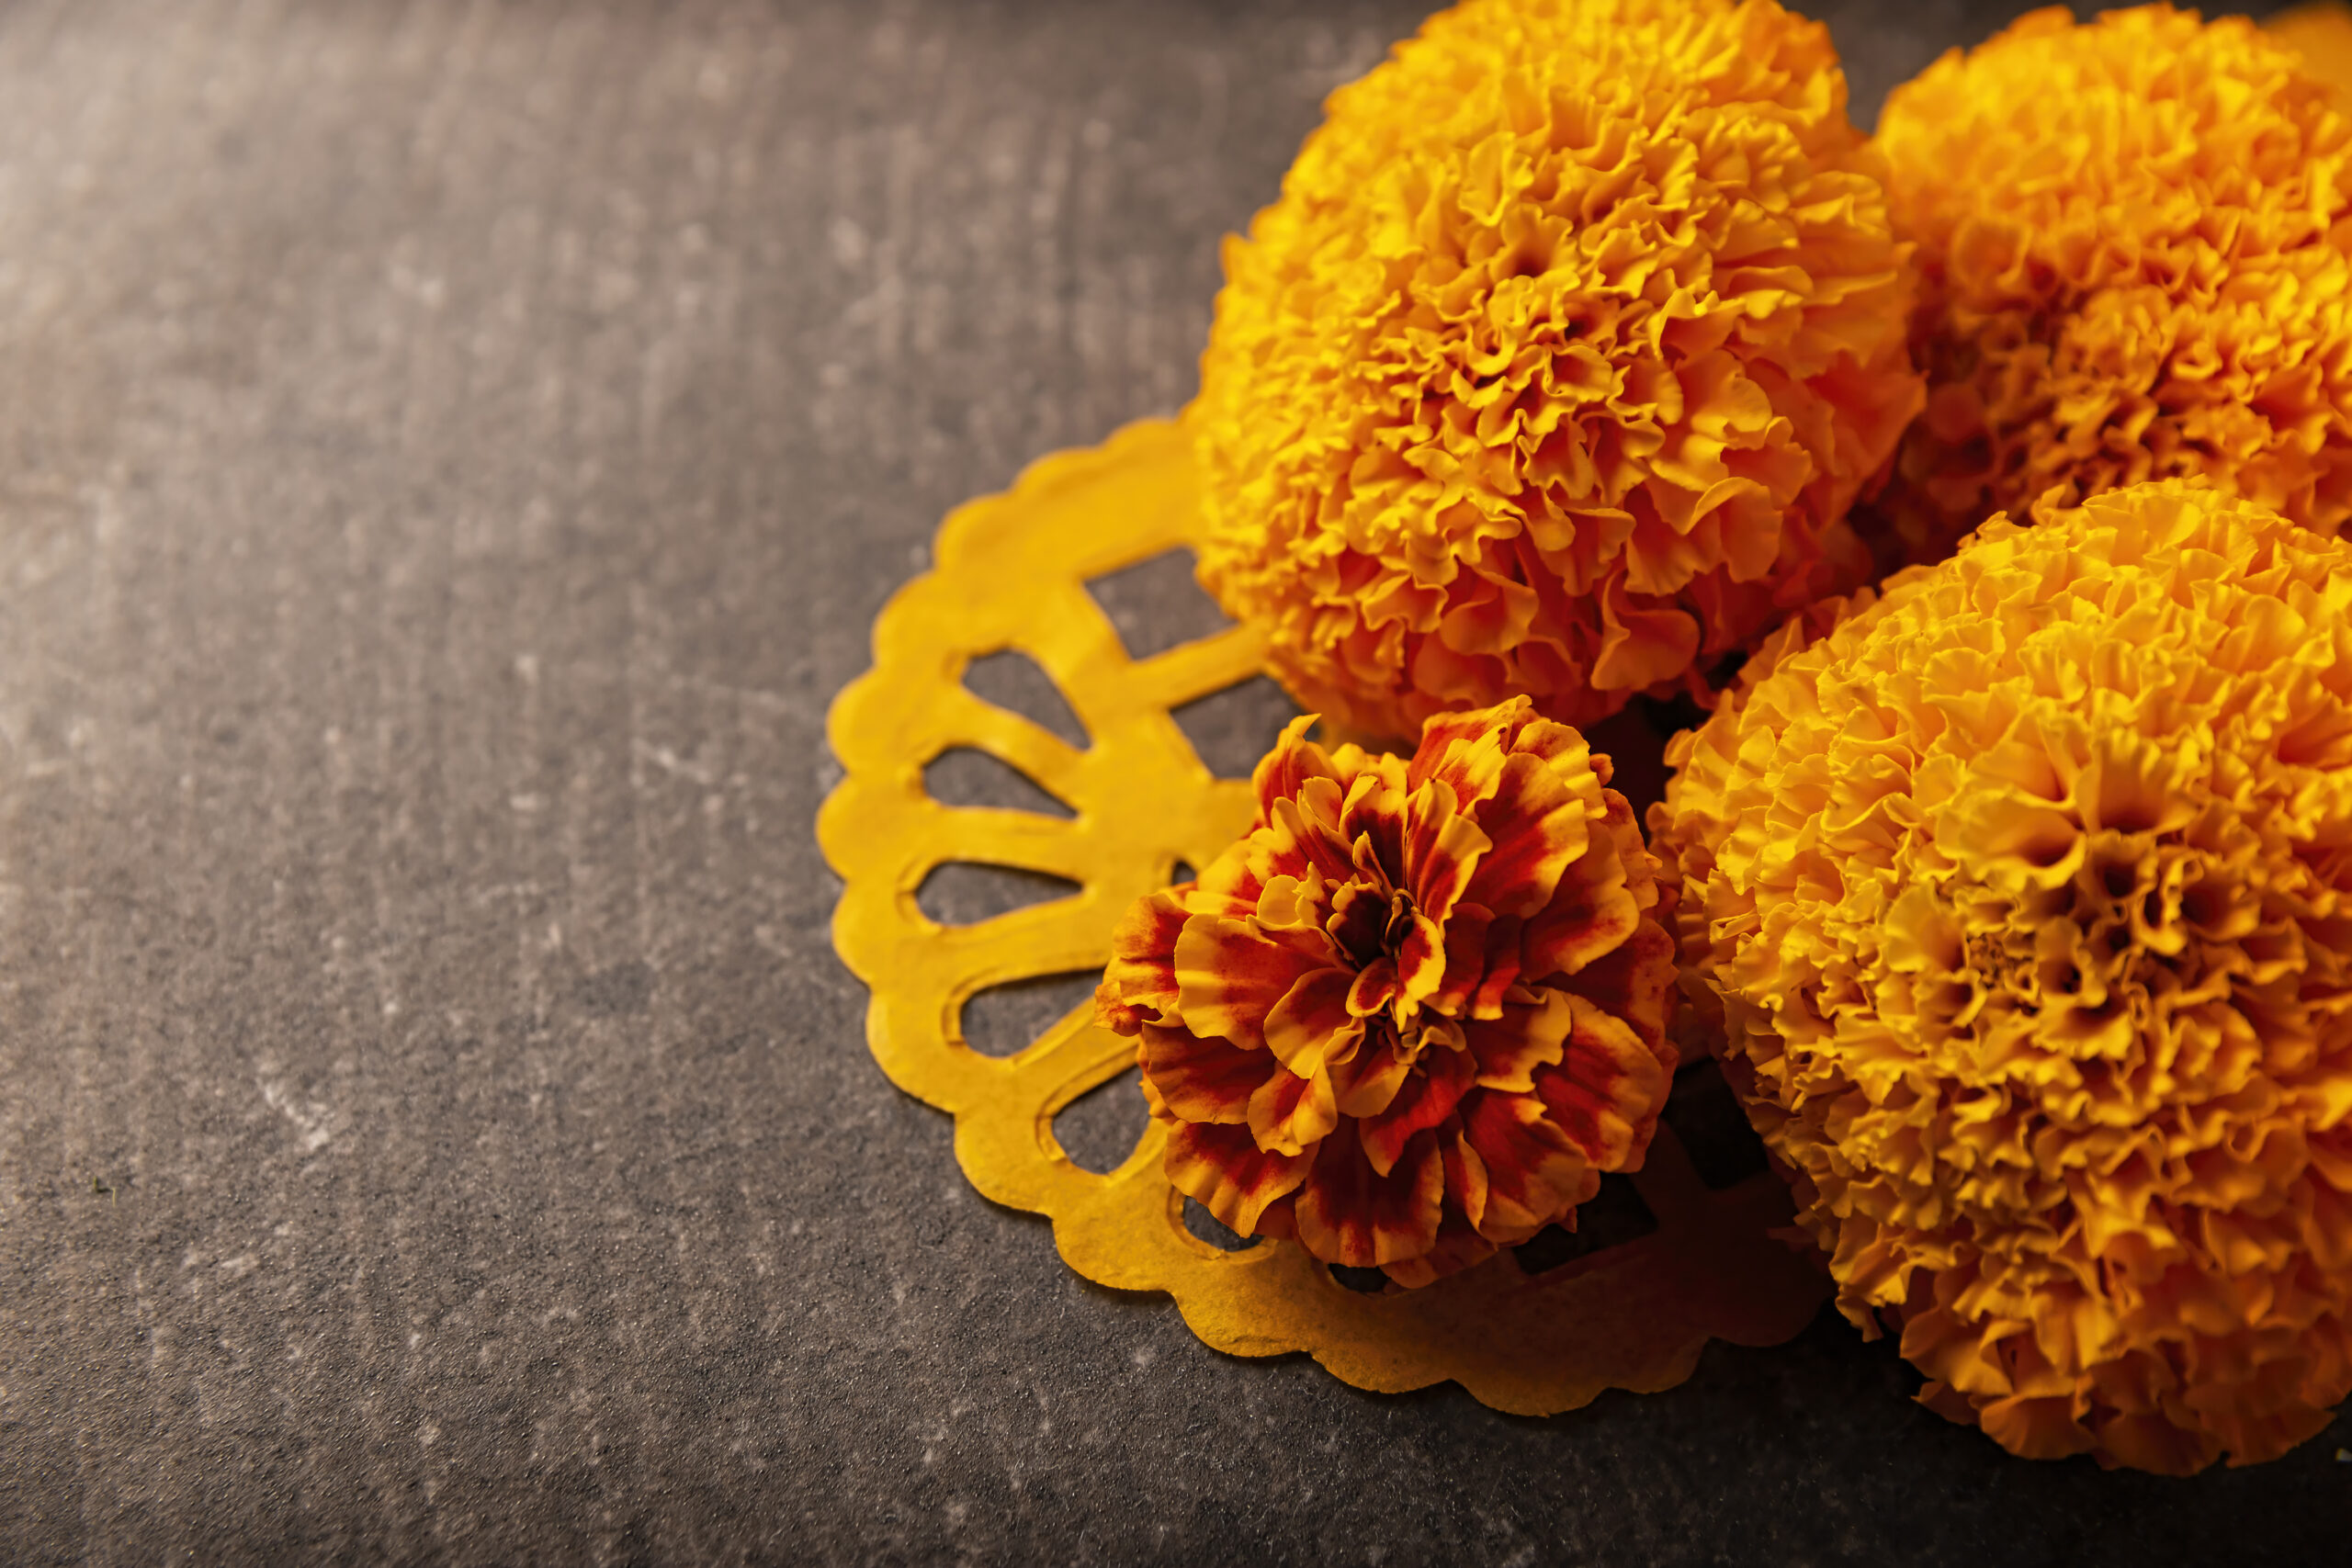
(1012, 573)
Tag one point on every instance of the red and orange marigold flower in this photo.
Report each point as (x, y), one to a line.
(1419, 1008)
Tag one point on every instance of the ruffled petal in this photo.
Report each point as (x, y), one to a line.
(1285, 770)
(1426, 1097)
(1290, 1113)
(1225, 1170)
(1634, 986)
(1348, 1213)
(1528, 1035)
(1441, 850)
(1466, 960)
(1140, 979)
(1537, 828)
(1367, 1084)
(1534, 1174)
(1201, 1080)
(1229, 975)
(1458, 1247)
(1592, 912)
(1313, 1025)
(1606, 1089)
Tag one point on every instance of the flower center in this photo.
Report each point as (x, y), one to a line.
(1400, 924)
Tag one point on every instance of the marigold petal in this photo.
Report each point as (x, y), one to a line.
(1534, 1174)
(1465, 751)
(1227, 1173)
(1465, 959)
(1229, 975)
(1458, 1247)
(1590, 916)
(1425, 1099)
(1504, 943)
(1313, 1025)
(1607, 1088)
(1441, 850)
(1538, 827)
(1634, 986)
(1527, 1036)
(1465, 1171)
(2036, 1428)
(1290, 1113)
(2149, 1442)
(1369, 1084)
(1374, 988)
(1282, 772)
(1348, 1213)
(1140, 979)
(1201, 1080)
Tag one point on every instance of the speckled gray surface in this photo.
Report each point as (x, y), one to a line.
(449, 456)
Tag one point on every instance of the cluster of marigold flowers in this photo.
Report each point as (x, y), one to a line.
(1590, 354)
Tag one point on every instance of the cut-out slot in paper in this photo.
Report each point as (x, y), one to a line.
(1199, 1222)
(1611, 1217)
(1012, 573)
(1101, 1127)
(965, 775)
(1004, 1019)
(1231, 729)
(1158, 605)
(1363, 1281)
(1705, 1115)
(1012, 681)
(966, 893)
(1635, 748)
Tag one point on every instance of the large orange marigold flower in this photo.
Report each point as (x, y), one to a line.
(1418, 1010)
(2026, 897)
(2133, 247)
(1576, 328)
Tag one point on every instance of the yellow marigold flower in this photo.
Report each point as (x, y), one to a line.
(2133, 251)
(1578, 326)
(2026, 894)
(1418, 1010)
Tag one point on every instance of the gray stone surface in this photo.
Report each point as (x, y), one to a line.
(449, 456)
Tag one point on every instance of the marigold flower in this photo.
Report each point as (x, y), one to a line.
(1418, 1010)
(1576, 328)
(2133, 252)
(2026, 894)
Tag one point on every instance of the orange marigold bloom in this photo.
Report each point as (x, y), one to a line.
(2026, 894)
(1576, 328)
(2133, 249)
(1418, 1010)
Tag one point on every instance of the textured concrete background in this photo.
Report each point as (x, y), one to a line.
(449, 456)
